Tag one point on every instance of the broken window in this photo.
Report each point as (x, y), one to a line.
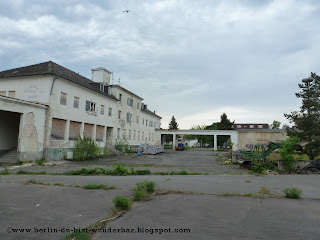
(129, 117)
(76, 102)
(57, 129)
(74, 130)
(90, 106)
(130, 102)
(63, 99)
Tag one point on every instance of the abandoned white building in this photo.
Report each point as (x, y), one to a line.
(45, 107)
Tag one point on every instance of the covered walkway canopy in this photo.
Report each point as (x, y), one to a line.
(232, 133)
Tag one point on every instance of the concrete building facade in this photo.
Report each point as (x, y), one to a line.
(60, 105)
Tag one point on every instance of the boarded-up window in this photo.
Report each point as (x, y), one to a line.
(110, 112)
(118, 133)
(57, 129)
(74, 130)
(63, 98)
(134, 134)
(142, 136)
(12, 94)
(129, 134)
(76, 102)
(99, 133)
(102, 110)
(138, 135)
(3, 93)
(88, 130)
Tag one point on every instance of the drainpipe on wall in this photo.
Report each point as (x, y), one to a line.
(53, 84)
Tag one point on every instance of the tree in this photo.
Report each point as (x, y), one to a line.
(276, 124)
(287, 151)
(307, 120)
(173, 125)
(225, 123)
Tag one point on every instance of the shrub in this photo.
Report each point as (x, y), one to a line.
(122, 146)
(85, 149)
(292, 192)
(146, 186)
(5, 171)
(121, 203)
(287, 151)
(120, 170)
(261, 167)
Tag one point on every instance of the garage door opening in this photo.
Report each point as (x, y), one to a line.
(9, 129)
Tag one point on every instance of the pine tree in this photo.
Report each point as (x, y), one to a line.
(225, 123)
(173, 125)
(307, 120)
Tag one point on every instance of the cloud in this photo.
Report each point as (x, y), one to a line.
(201, 58)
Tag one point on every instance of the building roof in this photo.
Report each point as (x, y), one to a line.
(250, 124)
(55, 69)
(150, 112)
(126, 90)
(261, 129)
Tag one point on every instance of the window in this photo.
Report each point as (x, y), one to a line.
(152, 137)
(118, 133)
(138, 105)
(110, 112)
(142, 136)
(130, 102)
(101, 87)
(58, 129)
(151, 123)
(124, 133)
(138, 135)
(142, 121)
(137, 119)
(74, 130)
(12, 94)
(3, 93)
(76, 102)
(119, 114)
(90, 106)
(134, 134)
(129, 134)
(251, 126)
(238, 126)
(129, 117)
(259, 126)
(120, 97)
(102, 110)
(149, 136)
(63, 99)
(146, 122)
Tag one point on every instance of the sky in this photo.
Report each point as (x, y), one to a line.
(191, 59)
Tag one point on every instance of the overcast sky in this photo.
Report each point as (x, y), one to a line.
(191, 59)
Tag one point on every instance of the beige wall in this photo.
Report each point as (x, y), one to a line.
(260, 137)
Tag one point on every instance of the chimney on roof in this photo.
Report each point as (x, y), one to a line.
(101, 75)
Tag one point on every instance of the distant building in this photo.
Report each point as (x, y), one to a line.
(250, 126)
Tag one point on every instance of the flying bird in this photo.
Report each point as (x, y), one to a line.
(126, 11)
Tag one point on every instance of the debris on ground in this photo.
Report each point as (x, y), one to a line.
(311, 168)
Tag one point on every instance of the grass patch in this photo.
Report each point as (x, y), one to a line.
(121, 203)
(143, 189)
(292, 192)
(77, 236)
(98, 186)
(40, 162)
(142, 172)
(265, 191)
(248, 181)
(5, 172)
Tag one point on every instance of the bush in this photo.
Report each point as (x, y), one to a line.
(121, 203)
(146, 186)
(120, 170)
(85, 149)
(122, 146)
(287, 151)
(292, 192)
(5, 171)
(261, 167)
